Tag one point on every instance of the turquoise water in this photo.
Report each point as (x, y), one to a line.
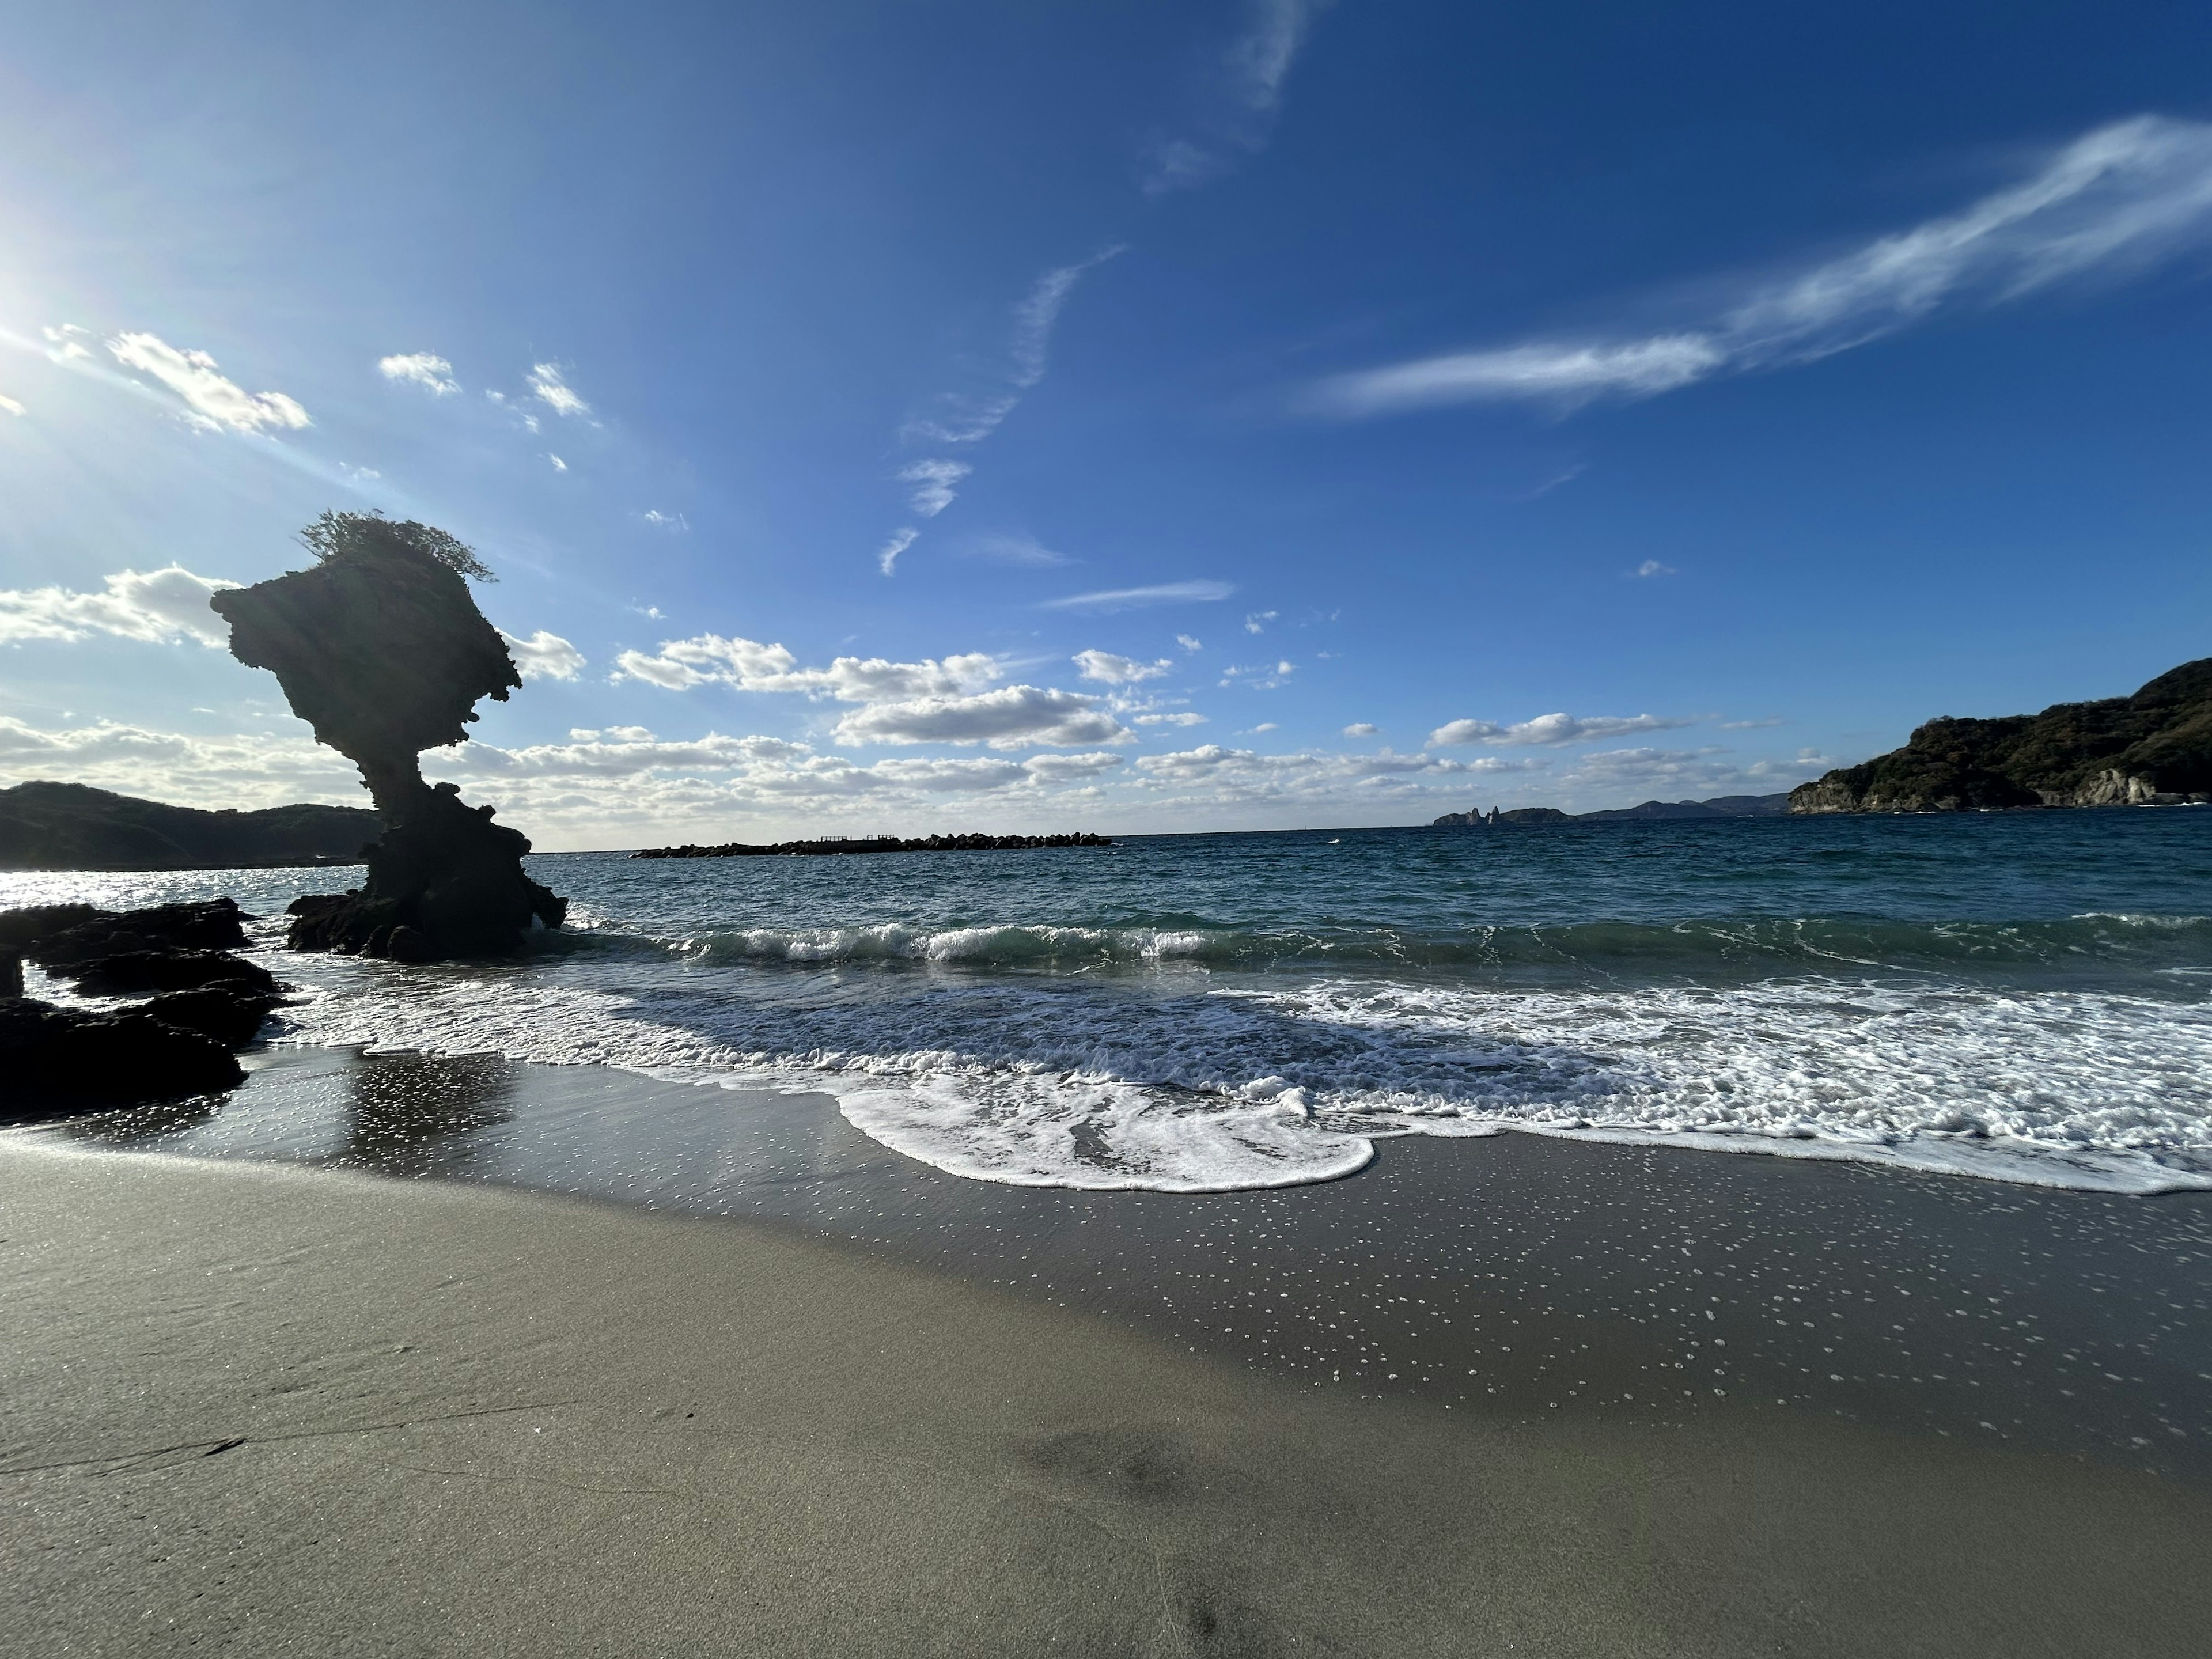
(2020, 996)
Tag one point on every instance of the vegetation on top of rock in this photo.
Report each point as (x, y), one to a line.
(2153, 748)
(345, 535)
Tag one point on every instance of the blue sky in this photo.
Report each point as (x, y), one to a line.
(1225, 414)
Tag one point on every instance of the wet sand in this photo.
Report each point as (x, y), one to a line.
(253, 1408)
(1514, 1276)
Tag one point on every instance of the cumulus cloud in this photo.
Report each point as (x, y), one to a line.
(1189, 642)
(157, 607)
(2116, 202)
(423, 368)
(1549, 731)
(1184, 718)
(1125, 598)
(901, 540)
(544, 656)
(1107, 669)
(1361, 729)
(551, 388)
(750, 666)
(1256, 622)
(1011, 717)
(934, 481)
(212, 402)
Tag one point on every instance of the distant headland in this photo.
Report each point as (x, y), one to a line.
(833, 846)
(1720, 806)
(72, 826)
(2153, 749)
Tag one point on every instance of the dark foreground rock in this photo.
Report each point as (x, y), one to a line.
(381, 649)
(177, 1044)
(836, 845)
(2153, 749)
(70, 1056)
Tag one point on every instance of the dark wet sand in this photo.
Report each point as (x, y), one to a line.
(258, 1409)
(1516, 1276)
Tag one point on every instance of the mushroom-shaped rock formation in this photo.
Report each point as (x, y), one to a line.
(380, 648)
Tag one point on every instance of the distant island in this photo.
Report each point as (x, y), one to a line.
(833, 846)
(72, 826)
(1720, 806)
(2153, 749)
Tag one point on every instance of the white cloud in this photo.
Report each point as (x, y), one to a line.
(1549, 731)
(559, 465)
(674, 522)
(933, 480)
(550, 388)
(212, 402)
(157, 607)
(1189, 643)
(901, 540)
(11, 405)
(1070, 768)
(2115, 201)
(1014, 549)
(1653, 567)
(1751, 726)
(1257, 621)
(749, 665)
(1186, 718)
(966, 418)
(1261, 678)
(1264, 725)
(544, 656)
(423, 368)
(1124, 599)
(1254, 71)
(1361, 729)
(1109, 669)
(67, 341)
(1010, 717)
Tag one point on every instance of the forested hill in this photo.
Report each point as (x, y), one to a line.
(70, 826)
(2153, 748)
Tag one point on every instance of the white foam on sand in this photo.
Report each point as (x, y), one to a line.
(1177, 1082)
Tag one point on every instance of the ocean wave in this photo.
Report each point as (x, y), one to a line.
(1105, 1084)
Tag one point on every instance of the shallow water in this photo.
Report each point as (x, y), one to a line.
(2021, 996)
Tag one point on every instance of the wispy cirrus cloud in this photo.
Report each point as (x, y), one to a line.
(11, 406)
(967, 418)
(934, 482)
(1128, 599)
(212, 402)
(424, 368)
(551, 387)
(898, 543)
(1549, 731)
(1243, 100)
(2116, 202)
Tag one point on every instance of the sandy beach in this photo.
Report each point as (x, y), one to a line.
(253, 1408)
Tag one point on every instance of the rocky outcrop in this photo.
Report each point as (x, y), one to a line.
(2152, 748)
(1473, 818)
(176, 1044)
(70, 826)
(380, 648)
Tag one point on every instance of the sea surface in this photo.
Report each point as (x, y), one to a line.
(2018, 996)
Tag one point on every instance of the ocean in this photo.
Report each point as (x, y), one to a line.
(2016, 996)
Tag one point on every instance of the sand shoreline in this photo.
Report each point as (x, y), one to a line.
(261, 1408)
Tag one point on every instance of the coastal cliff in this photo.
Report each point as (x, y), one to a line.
(2153, 748)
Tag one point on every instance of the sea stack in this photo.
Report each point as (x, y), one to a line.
(380, 648)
